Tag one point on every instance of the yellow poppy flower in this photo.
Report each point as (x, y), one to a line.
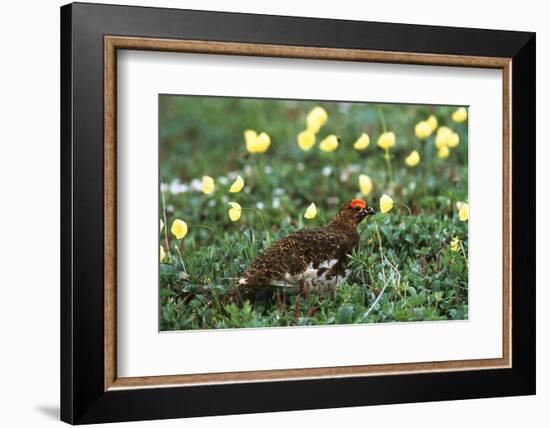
(464, 212)
(250, 137)
(386, 140)
(446, 137)
(316, 118)
(329, 144)
(362, 142)
(423, 129)
(412, 159)
(161, 225)
(386, 203)
(207, 184)
(365, 184)
(162, 254)
(237, 186)
(453, 140)
(460, 115)
(256, 143)
(235, 211)
(455, 244)
(432, 122)
(443, 152)
(442, 136)
(179, 229)
(306, 140)
(263, 142)
(311, 211)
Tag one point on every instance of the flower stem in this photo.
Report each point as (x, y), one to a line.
(379, 243)
(259, 214)
(181, 258)
(165, 226)
(212, 232)
(385, 279)
(463, 251)
(387, 157)
(405, 205)
(382, 119)
(203, 226)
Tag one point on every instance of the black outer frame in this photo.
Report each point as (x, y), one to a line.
(83, 399)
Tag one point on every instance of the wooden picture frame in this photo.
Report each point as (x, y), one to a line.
(91, 390)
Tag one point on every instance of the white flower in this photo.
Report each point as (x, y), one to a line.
(327, 170)
(344, 176)
(174, 185)
(196, 185)
(223, 180)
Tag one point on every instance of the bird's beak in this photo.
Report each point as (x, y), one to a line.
(369, 211)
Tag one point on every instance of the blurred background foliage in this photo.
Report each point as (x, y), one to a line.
(204, 136)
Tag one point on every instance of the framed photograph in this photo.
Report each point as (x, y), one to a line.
(266, 213)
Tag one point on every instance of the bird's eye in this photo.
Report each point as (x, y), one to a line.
(357, 209)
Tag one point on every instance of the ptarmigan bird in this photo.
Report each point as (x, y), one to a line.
(314, 258)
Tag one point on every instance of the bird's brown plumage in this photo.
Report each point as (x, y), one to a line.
(322, 251)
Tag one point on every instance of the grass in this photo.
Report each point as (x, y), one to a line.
(404, 269)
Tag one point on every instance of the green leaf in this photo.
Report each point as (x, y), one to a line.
(345, 314)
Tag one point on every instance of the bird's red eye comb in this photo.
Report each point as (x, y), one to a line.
(358, 203)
